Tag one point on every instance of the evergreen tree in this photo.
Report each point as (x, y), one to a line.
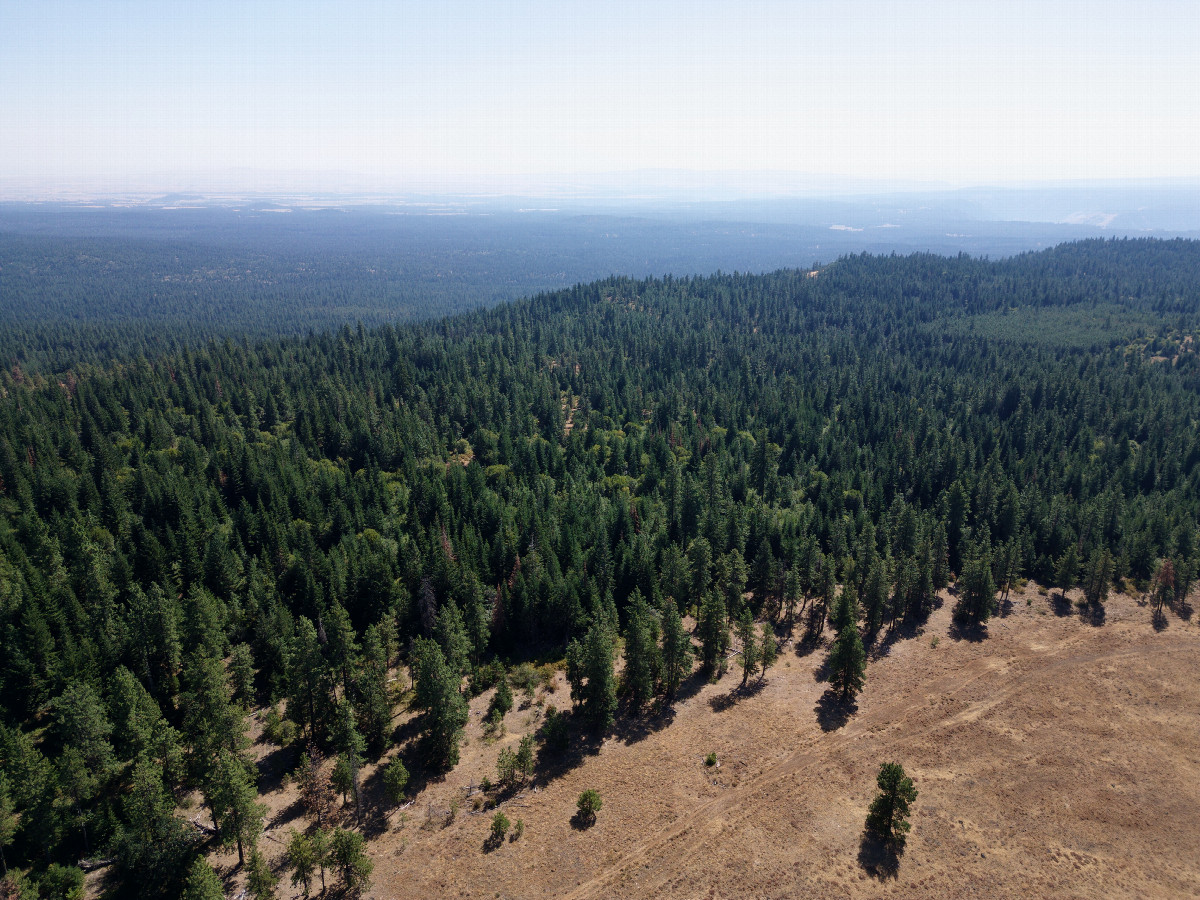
(260, 880)
(202, 882)
(1067, 570)
(847, 663)
(347, 851)
(978, 589)
(231, 794)
(768, 650)
(301, 859)
(643, 661)
(373, 705)
(749, 640)
(1099, 577)
(437, 693)
(888, 814)
(713, 631)
(676, 649)
(599, 689)
(395, 780)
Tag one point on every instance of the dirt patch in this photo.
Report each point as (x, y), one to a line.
(1052, 757)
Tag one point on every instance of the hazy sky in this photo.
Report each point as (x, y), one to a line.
(908, 89)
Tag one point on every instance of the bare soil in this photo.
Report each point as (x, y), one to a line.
(1056, 753)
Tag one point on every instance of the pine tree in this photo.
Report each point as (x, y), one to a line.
(347, 851)
(978, 589)
(202, 882)
(437, 692)
(768, 650)
(600, 686)
(888, 814)
(260, 880)
(232, 796)
(676, 649)
(372, 703)
(847, 663)
(1099, 577)
(1067, 570)
(8, 821)
(301, 859)
(749, 641)
(713, 631)
(395, 780)
(642, 658)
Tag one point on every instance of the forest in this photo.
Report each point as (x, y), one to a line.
(625, 479)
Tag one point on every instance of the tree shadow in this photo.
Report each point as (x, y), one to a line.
(832, 711)
(292, 811)
(582, 821)
(722, 702)
(1094, 614)
(972, 632)
(637, 725)
(1158, 618)
(492, 843)
(879, 858)
(551, 765)
(274, 765)
(809, 641)
(1061, 604)
(407, 730)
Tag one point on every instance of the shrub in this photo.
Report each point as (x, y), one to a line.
(518, 830)
(499, 826)
(485, 676)
(711, 759)
(589, 804)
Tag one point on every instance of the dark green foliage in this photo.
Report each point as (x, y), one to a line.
(748, 638)
(712, 628)
(847, 663)
(260, 880)
(347, 853)
(437, 693)
(977, 600)
(395, 780)
(502, 700)
(768, 650)
(676, 650)
(203, 527)
(555, 731)
(643, 659)
(60, 883)
(598, 685)
(202, 882)
(888, 814)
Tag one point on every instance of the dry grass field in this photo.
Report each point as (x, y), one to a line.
(1055, 756)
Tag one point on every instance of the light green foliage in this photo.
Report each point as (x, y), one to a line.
(588, 804)
(437, 692)
(500, 826)
(301, 860)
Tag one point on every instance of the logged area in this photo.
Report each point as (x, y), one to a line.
(680, 587)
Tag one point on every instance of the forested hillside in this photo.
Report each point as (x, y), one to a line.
(193, 533)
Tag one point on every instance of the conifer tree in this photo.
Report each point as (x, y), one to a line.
(600, 684)
(750, 646)
(888, 814)
(301, 859)
(847, 663)
(437, 693)
(713, 631)
(768, 650)
(202, 882)
(232, 796)
(642, 658)
(372, 703)
(676, 649)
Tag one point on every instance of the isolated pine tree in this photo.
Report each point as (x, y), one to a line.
(888, 814)
(847, 663)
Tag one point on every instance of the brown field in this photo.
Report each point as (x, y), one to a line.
(1055, 757)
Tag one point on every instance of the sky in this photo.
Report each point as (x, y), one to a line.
(406, 93)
